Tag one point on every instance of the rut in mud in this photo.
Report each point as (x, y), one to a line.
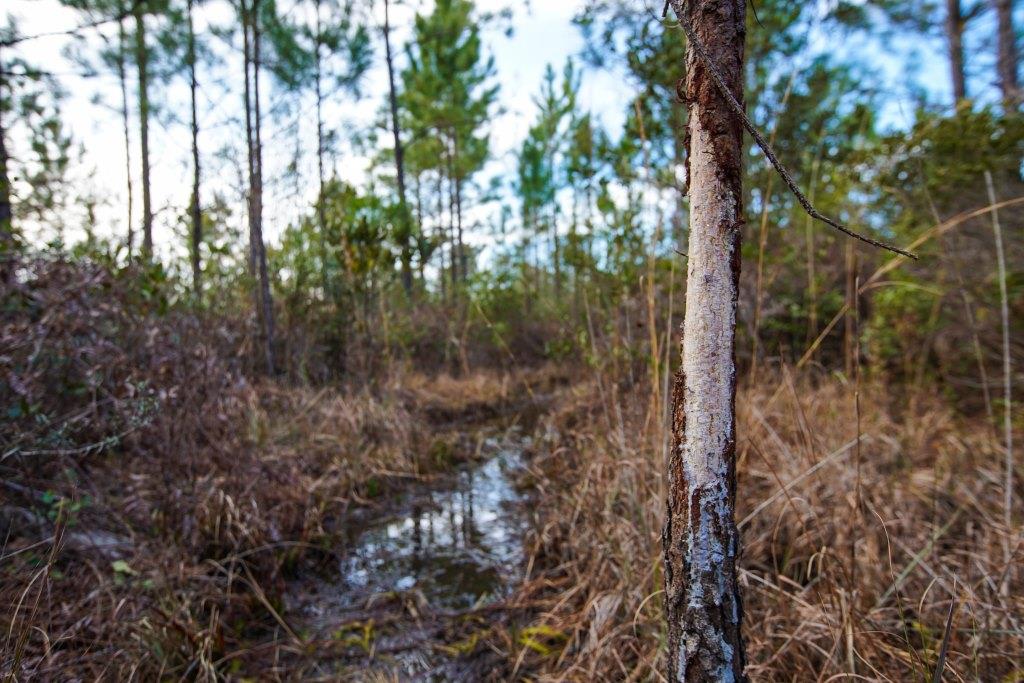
(408, 576)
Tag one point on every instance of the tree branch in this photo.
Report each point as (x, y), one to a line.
(763, 143)
(121, 16)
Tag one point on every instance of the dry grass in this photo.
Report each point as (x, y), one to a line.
(849, 571)
(155, 500)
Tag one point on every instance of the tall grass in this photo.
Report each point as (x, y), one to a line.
(829, 594)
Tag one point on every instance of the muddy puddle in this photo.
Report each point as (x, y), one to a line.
(437, 549)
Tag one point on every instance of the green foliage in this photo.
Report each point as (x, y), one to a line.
(38, 145)
(448, 92)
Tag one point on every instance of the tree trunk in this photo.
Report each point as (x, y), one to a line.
(265, 300)
(556, 254)
(463, 256)
(320, 208)
(441, 236)
(7, 245)
(701, 542)
(142, 61)
(955, 38)
(257, 252)
(122, 74)
(399, 159)
(197, 211)
(453, 253)
(419, 225)
(250, 167)
(457, 180)
(1006, 64)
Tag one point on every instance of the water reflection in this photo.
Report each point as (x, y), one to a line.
(455, 544)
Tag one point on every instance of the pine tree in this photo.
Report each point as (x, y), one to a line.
(35, 150)
(701, 542)
(116, 56)
(1007, 62)
(142, 60)
(195, 204)
(449, 95)
(406, 233)
(333, 56)
(7, 242)
(251, 15)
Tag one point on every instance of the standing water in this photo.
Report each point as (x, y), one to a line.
(443, 547)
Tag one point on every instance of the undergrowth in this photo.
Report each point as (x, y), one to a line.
(852, 556)
(156, 498)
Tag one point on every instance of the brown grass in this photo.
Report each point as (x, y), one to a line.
(154, 500)
(834, 588)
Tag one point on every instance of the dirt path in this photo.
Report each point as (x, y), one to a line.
(410, 583)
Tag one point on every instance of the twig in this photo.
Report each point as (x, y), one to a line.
(1007, 376)
(120, 16)
(917, 559)
(763, 144)
(831, 457)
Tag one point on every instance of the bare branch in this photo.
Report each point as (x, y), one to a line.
(765, 146)
(120, 16)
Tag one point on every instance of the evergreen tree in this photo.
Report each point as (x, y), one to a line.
(339, 55)
(449, 94)
(35, 149)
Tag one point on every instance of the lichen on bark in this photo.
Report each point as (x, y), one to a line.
(701, 542)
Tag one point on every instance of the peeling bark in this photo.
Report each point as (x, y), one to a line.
(701, 542)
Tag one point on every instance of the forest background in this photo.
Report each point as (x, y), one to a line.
(230, 228)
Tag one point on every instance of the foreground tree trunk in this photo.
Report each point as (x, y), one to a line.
(197, 210)
(142, 61)
(955, 39)
(1006, 64)
(701, 542)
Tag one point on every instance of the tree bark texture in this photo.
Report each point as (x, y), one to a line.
(700, 539)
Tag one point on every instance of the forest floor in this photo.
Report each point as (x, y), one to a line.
(168, 518)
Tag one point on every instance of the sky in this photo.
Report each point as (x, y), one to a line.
(543, 34)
